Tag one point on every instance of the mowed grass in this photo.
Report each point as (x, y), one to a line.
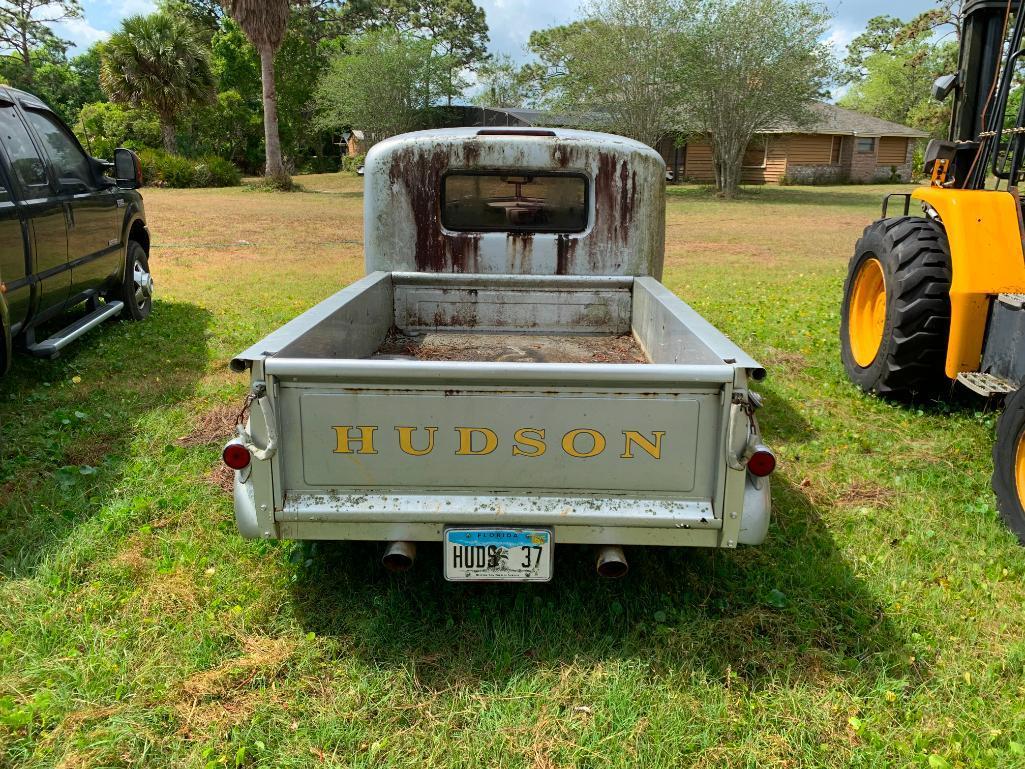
(880, 625)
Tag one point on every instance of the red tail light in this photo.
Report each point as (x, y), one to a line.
(762, 462)
(236, 456)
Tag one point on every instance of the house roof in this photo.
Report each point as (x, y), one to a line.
(827, 119)
(831, 119)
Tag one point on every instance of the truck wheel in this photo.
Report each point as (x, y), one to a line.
(1009, 464)
(137, 289)
(895, 318)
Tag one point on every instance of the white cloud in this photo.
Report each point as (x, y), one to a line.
(510, 22)
(840, 36)
(80, 32)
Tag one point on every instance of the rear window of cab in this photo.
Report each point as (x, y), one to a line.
(498, 201)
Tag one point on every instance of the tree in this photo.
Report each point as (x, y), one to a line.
(880, 36)
(897, 85)
(617, 69)
(158, 61)
(502, 84)
(264, 22)
(948, 16)
(25, 26)
(750, 66)
(387, 84)
(892, 65)
(457, 29)
(300, 62)
(62, 83)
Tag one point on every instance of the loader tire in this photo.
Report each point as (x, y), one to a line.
(895, 319)
(1009, 464)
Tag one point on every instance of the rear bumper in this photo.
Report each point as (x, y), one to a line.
(574, 520)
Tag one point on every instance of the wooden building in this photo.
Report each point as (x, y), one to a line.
(841, 146)
(838, 146)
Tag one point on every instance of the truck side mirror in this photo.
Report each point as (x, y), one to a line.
(943, 86)
(127, 169)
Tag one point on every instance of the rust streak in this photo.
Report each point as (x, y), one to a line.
(419, 171)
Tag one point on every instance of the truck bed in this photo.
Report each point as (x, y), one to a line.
(598, 406)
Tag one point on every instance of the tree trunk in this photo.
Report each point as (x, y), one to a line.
(275, 167)
(26, 56)
(728, 158)
(169, 135)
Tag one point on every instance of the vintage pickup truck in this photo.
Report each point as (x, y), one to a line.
(510, 374)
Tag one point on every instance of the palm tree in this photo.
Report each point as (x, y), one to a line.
(264, 23)
(158, 61)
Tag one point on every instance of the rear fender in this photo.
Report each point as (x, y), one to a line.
(984, 231)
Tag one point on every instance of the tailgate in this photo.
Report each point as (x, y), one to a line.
(636, 436)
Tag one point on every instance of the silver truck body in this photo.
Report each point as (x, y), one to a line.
(351, 442)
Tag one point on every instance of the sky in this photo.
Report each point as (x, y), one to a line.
(510, 21)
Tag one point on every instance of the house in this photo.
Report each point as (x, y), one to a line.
(840, 146)
(354, 142)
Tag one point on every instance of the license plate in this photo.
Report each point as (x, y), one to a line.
(498, 555)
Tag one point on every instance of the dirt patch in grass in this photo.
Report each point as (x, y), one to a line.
(215, 425)
(89, 452)
(866, 494)
(132, 558)
(784, 361)
(216, 699)
(169, 594)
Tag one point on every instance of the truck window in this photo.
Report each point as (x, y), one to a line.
(25, 161)
(509, 202)
(70, 162)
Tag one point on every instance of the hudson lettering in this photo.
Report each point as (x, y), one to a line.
(364, 438)
(529, 442)
(406, 441)
(466, 441)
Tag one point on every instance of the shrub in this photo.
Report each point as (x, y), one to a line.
(162, 169)
(104, 126)
(351, 163)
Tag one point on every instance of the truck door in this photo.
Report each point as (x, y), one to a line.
(94, 238)
(39, 205)
(14, 256)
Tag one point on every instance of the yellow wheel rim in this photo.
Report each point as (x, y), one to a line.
(867, 312)
(1019, 469)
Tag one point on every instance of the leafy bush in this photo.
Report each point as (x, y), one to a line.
(162, 169)
(228, 128)
(105, 126)
(351, 163)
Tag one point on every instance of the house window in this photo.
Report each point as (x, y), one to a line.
(867, 145)
(757, 154)
(835, 151)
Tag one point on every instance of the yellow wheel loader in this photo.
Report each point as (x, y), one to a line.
(938, 297)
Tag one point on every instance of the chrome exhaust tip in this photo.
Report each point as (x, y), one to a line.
(399, 556)
(611, 563)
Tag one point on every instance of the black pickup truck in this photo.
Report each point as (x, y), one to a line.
(69, 232)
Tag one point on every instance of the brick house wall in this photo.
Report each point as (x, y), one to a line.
(891, 155)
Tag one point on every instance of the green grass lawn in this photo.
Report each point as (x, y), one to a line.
(880, 625)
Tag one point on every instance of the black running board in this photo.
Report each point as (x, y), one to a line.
(50, 348)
